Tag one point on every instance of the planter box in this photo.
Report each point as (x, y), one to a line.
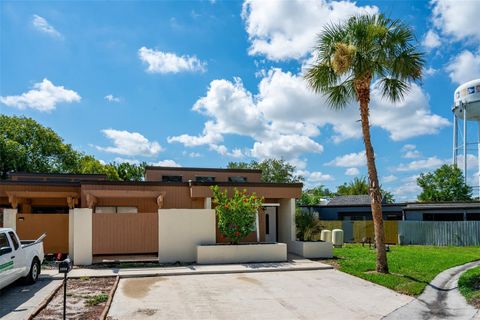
(243, 253)
(312, 249)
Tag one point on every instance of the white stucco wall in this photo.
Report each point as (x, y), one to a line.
(181, 230)
(286, 221)
(244, 253)
(71, 230)
(312, 249)
(10, 218)
(82, 236)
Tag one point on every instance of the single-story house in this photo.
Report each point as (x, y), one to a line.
(357, 207)
(86, 215)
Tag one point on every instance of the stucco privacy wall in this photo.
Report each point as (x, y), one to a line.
(286, 221)
(71, 230)
(82, 236)
(10, 218)
(181, 230)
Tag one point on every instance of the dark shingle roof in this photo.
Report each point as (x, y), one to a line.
(362, 199)
(442, 205)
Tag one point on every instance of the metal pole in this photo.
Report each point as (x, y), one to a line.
(65, 296)
(455, 138)
(478, 158)
(465, 142)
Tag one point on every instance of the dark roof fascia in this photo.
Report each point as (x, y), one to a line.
(202, 169)
(150, 183)
(247, 184)
(73, 175)
(351, 205)
(42, 182)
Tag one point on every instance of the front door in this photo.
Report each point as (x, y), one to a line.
(270, 224)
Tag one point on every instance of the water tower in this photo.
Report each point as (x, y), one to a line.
(466, 112)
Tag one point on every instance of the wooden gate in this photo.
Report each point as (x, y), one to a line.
(125, 233)
(32, 225)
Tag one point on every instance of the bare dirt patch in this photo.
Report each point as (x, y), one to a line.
(86, 299)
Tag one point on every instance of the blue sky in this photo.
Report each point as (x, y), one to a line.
(207, 82)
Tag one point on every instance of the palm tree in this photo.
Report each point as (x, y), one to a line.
(350, 57)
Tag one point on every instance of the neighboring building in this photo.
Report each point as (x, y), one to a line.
(357, 207)
(125, 214)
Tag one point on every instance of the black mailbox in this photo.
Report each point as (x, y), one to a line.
(65, 266)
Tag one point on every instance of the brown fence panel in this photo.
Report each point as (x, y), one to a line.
(32, 225)
(125, 233)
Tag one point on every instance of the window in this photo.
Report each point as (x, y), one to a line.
(267, 224)
(14, 240)
(4, 241)
(204, 179)
(237, 179)
(49, 209)
(116, 210)
(171, 178)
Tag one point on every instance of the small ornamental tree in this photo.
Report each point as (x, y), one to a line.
(236, 215)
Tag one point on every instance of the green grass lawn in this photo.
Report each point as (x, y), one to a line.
(469, 286)
(411, 267)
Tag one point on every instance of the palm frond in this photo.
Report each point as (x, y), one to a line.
(393, 89)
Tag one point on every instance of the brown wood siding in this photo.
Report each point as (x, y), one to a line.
(176, 197)
(273, 192)
(31, 226)
(125, 233)
(156, 175)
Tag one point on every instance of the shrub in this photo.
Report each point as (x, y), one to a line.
(236, 215)
(308, 227)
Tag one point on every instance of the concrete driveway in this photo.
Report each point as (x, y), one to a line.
(18, 301)
(319, 294)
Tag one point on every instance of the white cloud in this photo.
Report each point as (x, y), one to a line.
(41, 24)
(130, 144)
(410, 151)
(168, 62)
(288, 147)
(431, 40)
(464, 67)
(124, 160)
(43, 97)
(314, 178)
(408, 190)
(166, 163)
(430, 71)
(288, 29)
(408, 118)
(352, 172)
(424, 164)
(112, 98)
(388, 179)
(193, 154)
(457, 19)
(349, 160)
(285, 116)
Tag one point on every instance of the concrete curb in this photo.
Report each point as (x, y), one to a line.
(440, 299)
(128, 273)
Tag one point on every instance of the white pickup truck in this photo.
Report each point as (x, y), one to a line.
(19, 259)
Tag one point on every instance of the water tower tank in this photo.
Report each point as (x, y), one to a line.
(466, 109)
(468, 95)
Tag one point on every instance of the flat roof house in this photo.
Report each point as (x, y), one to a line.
(87, 215)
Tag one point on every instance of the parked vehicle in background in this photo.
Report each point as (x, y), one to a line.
(19, 259)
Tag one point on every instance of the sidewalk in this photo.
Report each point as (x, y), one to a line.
(291, 265)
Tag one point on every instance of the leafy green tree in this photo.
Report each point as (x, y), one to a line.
(360, 186)
(129, 171)
(273, 170)
(313, 196)
(444, 184)
(236, 215)
(27, 146)
(90, 165)
(308, 226)
(350, 57)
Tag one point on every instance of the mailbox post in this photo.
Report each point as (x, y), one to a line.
(64, 267)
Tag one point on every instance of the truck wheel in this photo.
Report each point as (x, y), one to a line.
(34, 272)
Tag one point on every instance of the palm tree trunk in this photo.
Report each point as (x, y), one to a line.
(362, 88)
